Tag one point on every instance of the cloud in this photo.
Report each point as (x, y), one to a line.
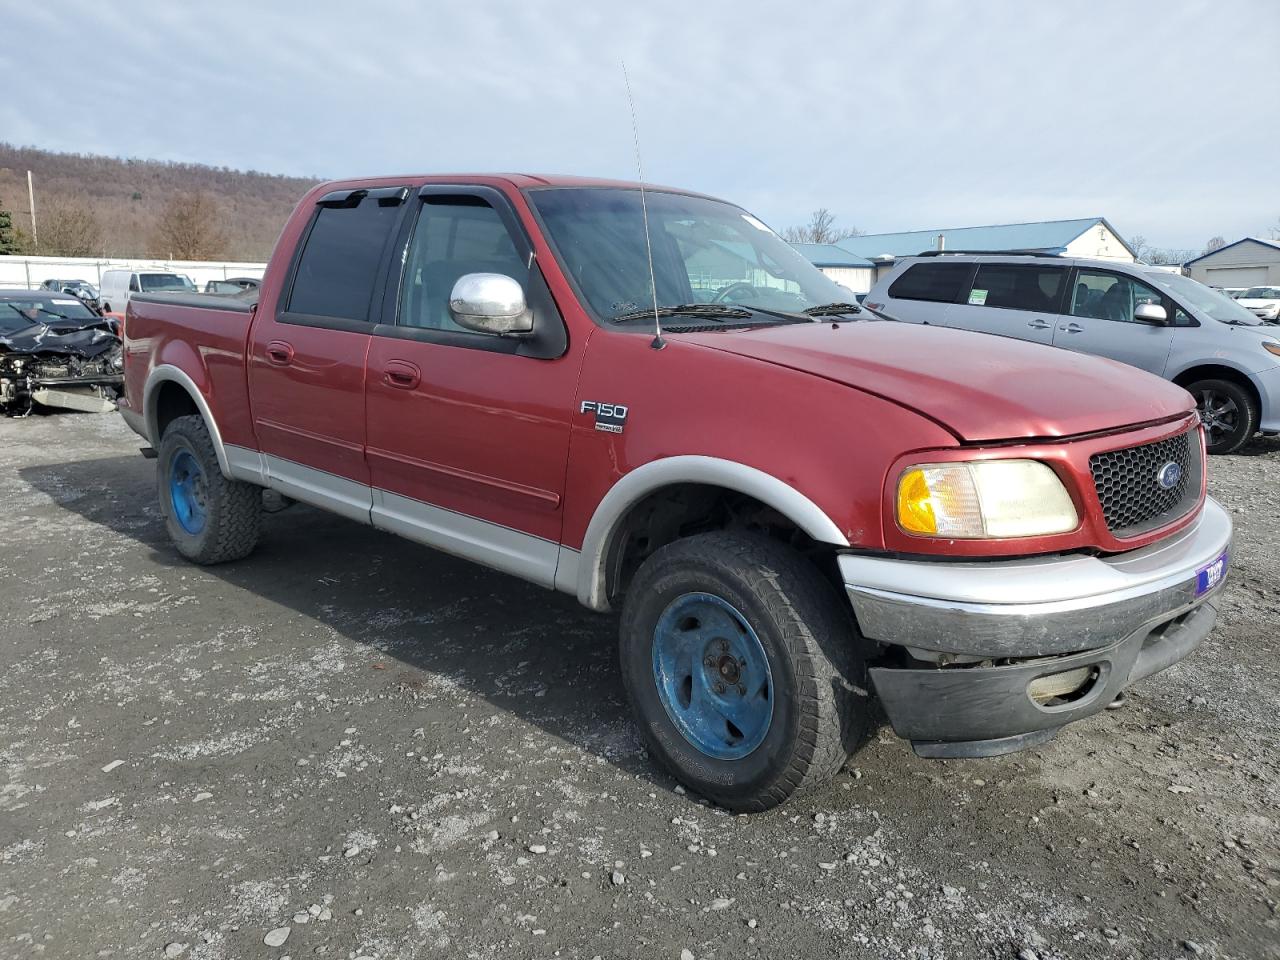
(1162, 117)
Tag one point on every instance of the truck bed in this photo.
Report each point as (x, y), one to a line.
(205, 336)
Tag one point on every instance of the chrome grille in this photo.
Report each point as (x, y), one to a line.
(1129, 489)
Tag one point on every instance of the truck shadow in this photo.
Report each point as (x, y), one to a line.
(529, 651)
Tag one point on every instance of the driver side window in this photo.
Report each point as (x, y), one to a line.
(455, 235)
(1110, 296)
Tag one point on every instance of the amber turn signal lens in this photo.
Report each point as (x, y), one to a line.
(915, 504)
(1271, 346)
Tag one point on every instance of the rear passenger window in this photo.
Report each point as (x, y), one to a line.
(1017, 287)
(938, 282)
(339, 264)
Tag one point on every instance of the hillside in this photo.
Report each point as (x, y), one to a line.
(128, 197)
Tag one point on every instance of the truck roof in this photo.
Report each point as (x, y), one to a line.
(521, 181)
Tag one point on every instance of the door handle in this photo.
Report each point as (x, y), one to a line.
(1073, 328)
(279, 353)
(401, 374)
(1039, 324)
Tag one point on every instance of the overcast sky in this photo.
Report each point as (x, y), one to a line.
(1162, 116)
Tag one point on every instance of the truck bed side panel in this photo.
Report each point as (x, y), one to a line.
(206, 342)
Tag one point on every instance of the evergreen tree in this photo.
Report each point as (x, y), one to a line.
(8, 238)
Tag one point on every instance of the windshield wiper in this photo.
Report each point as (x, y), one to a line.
(713, 311)
(831, 309)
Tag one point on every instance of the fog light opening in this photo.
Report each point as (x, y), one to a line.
(1069, 686)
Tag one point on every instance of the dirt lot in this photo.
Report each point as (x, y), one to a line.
(389, 753)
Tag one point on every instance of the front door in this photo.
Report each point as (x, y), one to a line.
(307, 355)
(1100, 320)
(468, 433)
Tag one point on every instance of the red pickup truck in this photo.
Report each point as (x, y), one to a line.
(799, 508)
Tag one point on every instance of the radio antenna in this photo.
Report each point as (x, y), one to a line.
(658, 343)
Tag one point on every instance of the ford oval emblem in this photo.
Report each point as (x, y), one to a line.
(1169, 475)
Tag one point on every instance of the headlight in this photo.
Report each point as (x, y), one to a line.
(985, 499)
(1271, 346)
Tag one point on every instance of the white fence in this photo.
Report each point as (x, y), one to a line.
(30, 272)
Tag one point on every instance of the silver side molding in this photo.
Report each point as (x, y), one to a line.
(338, 494)
(502, 548)
(652, 476)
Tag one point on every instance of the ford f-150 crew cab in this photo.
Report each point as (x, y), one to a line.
(795, 506)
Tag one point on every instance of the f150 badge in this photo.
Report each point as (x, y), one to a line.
(610, 417)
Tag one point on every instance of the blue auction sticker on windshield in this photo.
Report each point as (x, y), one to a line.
(1210, 576)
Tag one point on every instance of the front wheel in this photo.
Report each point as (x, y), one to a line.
(1229, 415)
(209, 518)
(742, 669)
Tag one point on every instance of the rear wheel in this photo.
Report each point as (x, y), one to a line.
(209, 518)
(740, 663)
(1229, 414)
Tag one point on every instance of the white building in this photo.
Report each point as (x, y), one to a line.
(1246, 263)
(854, 272)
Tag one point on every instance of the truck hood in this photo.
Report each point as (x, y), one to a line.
(981, 387)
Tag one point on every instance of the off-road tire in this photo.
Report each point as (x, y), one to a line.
(821, 708)
(1247, 422)
(234, 509)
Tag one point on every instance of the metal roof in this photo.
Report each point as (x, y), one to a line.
(1041, 235)
(830, 255)
(1214, 253)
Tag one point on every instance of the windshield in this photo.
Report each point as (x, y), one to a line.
(704, 251)
(18, 314)
(1261, 293)
(1206, 300)
(164, 281)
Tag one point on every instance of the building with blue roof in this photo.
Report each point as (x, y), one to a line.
(1090, 237)
(856, 273)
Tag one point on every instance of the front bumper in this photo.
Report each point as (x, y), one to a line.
(980, 637)
(1267, 383)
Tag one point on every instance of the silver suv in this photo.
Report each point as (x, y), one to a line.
(1163, 322)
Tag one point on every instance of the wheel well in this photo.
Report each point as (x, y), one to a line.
(1213, 371)
(684, 509)
(171, 401)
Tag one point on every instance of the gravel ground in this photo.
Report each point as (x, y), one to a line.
(350, 746)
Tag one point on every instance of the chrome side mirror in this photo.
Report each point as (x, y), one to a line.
(1151, 313)
(490, 303)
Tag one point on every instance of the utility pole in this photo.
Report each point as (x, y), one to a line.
(31, 195)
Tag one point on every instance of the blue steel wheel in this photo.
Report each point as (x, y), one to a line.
(209, 517)
(758, 619)
(713, 676)
(188, 492)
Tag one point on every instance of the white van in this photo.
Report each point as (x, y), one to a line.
(118, 284)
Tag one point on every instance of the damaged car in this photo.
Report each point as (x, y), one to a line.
(56, 352)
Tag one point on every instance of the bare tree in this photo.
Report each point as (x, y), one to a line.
(821, 228)
(1140, 247)
(1169, 256)
(70, 228)
(1275, 231)
(1214, 243)
(189, 228)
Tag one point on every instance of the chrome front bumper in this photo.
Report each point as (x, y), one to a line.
(1036, 607)
(980, 634)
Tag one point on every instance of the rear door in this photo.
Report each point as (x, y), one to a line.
(307, 360)
(468, 433)
(1019, 300)
(927, 291)
(1099, 320)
